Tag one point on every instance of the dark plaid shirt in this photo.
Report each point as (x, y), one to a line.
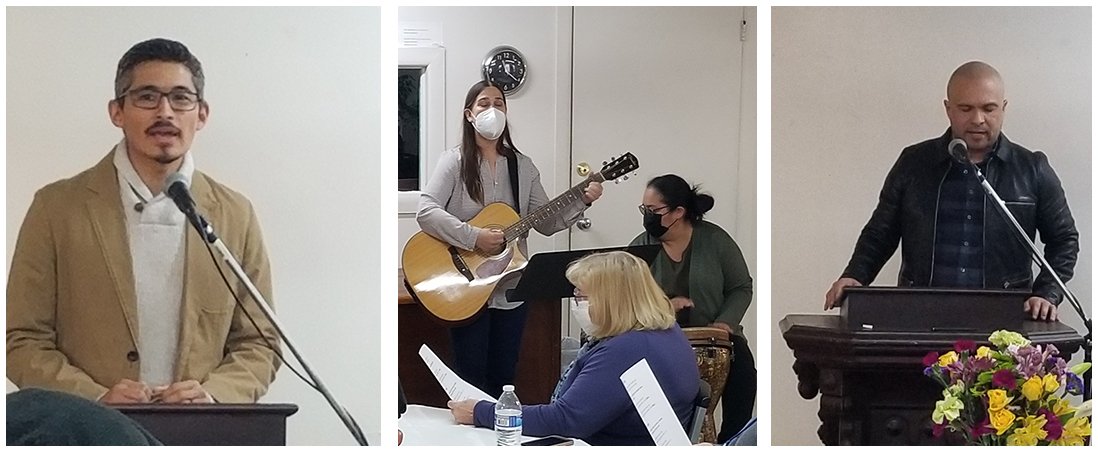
(959, 234)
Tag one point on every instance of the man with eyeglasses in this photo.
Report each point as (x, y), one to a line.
(111, 296)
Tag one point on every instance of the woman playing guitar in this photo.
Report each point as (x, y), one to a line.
(485, 169)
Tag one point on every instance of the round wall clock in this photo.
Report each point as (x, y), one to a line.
(506, 68)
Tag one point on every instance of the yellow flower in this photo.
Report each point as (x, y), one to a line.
(1060, 407)
(1032, 388)
(1001, 420)
(1075, 430)
(1051, 383)
(983, 352)
(997, 399)
(1029, 433)
(947, 359)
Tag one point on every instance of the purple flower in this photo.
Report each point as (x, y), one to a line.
(982, 428)
(928, 371)
(964, 345)
(930, 359)
(978, 365)
(1056, 365)
(1052, 425)
(1073, 384)
(939, 429)
(1004, 379)
(1030, 361)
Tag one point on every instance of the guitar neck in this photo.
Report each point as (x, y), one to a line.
(552, 208)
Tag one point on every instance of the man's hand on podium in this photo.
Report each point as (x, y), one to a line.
(189, 391)
(835, 294)
(1040, 308)
(127, 391)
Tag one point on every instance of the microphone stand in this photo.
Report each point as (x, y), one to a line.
(205, 230)
(1040, 260)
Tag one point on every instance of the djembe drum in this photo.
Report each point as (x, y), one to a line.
(713, 350)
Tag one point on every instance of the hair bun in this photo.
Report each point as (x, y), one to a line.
(703, 202)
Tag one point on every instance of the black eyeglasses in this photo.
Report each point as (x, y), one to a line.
(645, 210)
(149, 99)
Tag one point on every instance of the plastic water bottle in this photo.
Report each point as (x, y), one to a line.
(508, 418)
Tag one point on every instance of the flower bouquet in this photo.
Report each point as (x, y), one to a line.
(1013, 394)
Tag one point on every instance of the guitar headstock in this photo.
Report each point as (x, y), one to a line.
(619, 166)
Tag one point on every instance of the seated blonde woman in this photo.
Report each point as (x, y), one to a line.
(631, 319)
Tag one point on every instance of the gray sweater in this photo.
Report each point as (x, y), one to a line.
(445, 207)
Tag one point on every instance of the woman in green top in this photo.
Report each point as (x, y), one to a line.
(704, 274)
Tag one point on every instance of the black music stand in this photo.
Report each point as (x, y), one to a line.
(543, 278)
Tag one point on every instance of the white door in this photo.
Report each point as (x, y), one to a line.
(673, 80)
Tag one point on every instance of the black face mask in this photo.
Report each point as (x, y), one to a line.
(653, 225)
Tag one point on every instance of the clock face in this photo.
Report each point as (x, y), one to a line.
(505, 67)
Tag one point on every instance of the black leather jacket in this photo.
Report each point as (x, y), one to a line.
(908, 207)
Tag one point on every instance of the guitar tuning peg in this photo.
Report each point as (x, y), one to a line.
(617, 181)
(625, 177)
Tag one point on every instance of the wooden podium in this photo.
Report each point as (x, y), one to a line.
(539, 359)
(870, 381)
(219, 424)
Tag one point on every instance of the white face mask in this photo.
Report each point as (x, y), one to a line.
(582, 315)
(490, 123)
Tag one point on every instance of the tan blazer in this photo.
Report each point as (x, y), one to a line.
(72, 308)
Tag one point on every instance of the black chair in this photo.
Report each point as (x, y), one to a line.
(701, 403)
(402, 402)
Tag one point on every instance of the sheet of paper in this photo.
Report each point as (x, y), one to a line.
(420, 34)
(454, 386)
(652, 404)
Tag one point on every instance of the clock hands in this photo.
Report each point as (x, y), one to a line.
(507, 70)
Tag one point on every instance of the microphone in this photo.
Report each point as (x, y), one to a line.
(177, 190)
(958, 150)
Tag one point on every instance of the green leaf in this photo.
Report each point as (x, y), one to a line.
(1080, 369)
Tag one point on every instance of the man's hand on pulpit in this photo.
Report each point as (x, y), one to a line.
(127, 391)
(1041, 309)
(189, 391)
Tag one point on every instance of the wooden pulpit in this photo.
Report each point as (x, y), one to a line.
(870, 380)
(218, 424)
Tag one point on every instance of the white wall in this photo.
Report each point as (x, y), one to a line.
(293, 125)
(853, 86)
(745, 213)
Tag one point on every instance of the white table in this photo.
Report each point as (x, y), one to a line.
(428, 426)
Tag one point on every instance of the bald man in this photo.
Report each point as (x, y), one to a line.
(951, 237)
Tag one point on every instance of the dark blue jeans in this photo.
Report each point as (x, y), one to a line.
(486, 351)
(739, 393)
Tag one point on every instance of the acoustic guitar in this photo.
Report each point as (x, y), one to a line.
(454, 284)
